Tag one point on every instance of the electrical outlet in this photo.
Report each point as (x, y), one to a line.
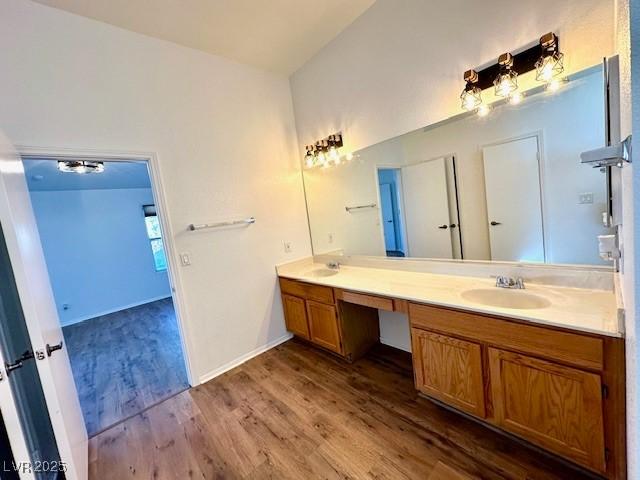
(585, 198)
(288, 247)
(185, 259)
(330, 238)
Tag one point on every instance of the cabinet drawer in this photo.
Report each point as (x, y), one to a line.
(381, 303)
(579, 350)
(307, 290)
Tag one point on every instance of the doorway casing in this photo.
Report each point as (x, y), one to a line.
(153, 167)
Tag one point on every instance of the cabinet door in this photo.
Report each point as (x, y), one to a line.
(295, 316)
(323, 325)
(556, 407)
(449, 369)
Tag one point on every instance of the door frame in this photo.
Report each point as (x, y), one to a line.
(400, 198)
(159, 197)
(539, 136)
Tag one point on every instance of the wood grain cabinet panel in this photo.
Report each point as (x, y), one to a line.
(556, 407)
(449, 369)
(323, 325)
(295, 315)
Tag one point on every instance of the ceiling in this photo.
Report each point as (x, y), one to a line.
(43, 175)
(276, 35)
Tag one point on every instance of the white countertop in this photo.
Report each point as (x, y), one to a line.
(587, 310)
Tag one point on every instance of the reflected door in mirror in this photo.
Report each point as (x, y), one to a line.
(426, 200)
(514, 206)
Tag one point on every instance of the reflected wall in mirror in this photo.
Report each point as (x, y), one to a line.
(508, 186)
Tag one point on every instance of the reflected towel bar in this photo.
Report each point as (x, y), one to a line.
(370, 205)
(202, 226)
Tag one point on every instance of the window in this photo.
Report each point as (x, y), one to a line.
(155, 237)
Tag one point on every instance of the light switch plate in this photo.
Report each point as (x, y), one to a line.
(185, 259)
(288, 247)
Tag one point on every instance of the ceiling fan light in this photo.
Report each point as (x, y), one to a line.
(80, 166)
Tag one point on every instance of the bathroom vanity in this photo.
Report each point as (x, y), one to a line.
(545, 364)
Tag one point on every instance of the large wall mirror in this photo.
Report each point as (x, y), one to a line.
(507, 186)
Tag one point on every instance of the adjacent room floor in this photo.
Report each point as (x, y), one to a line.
(294, 412)
(125, 362)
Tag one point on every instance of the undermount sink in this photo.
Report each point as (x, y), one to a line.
(504, 298)
(321, 272)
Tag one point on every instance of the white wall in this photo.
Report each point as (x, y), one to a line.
(97, 250)
(627, 41)
(224, 136)
(399, 66)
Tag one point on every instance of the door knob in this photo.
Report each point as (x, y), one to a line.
(443, 227)
(53, 348)
(493, 224)
(19, 362)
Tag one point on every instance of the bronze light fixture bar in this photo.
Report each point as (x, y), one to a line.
(324, 152)
(523, 62)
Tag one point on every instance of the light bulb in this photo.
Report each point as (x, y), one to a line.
(483, 110)
(554, 85)
(349, 156)
(309, 161)
(515, 98)
(471, 98)
(334, 155)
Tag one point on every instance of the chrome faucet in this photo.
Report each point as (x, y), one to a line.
(333, 265)
(509, 282)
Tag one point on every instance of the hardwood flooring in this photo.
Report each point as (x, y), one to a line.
(297, 413)
(125, 362)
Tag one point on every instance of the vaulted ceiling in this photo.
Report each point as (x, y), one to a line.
(276, 35)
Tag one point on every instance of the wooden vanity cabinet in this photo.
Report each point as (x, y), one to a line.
(345, 323)
(554, 406)
(449, 369)
(560, 390)
(295, 315)
(323, 326)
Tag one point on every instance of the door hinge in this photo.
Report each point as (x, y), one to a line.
(607, 455)
(605, 391)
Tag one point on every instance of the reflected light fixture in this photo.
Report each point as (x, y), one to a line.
(515, 98)
(483, 110)
(80, 166)
(550, 63)
(471, 96)
(507, 80)
(325, 153)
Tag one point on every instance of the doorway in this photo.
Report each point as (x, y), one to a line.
(101, 234)
(389, 183)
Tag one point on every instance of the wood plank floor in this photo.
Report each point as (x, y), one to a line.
(297, 413)
(125, 362)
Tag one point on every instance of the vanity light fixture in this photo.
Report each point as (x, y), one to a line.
(471, 96)
(326, 152)
(550, 63)
(544, 57)
(80, 166)
(507, 80)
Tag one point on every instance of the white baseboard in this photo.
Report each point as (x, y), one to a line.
(111, 310)
(397, 345)
(247, 356)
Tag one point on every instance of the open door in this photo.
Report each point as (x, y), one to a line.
(427, 214)
(37, 303)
